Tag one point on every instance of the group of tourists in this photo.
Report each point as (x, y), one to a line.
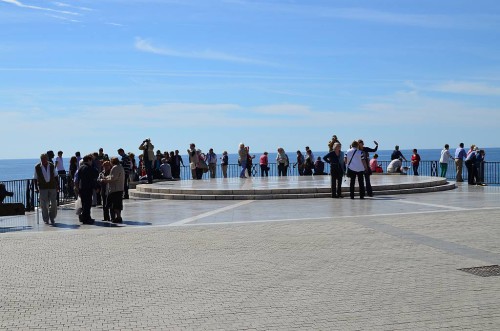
(355, 164)
(97, 179)
(473, 159)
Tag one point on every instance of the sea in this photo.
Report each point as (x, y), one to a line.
(14, 169)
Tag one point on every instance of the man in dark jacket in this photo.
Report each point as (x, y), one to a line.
(86, 182)
(366, 161)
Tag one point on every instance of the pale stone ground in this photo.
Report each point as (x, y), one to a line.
(388, 263)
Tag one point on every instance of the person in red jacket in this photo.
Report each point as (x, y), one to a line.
(415, 161)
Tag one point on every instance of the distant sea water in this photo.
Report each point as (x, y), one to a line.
(24, 168)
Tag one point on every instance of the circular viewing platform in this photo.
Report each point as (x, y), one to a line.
(265, 188)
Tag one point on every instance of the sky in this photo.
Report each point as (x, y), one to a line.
(79, 75)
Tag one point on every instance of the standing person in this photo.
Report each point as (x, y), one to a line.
(415, 161)
(242, 159)
(332, 142)
(50, 154)
(61, 172)
(479, 164)
(133, 168)
(444, 159)
(300, 163)
(148, 157)
(264, 162)
(73, 167)
(47, 184)
(193, 160)
(176, 172)
(116, 182)
(282, 161)
(224, 163)
(108, 214)
(127, 167)
(396, 154)
(337, 168)
(171, 162)
(470, 160)
(309, 152)
(355, 168)
(308, 163)
(78, 158)
(211, 159)
(86, 183)
(366, 162)
(249, 162)
(460, 155)
(319, 167)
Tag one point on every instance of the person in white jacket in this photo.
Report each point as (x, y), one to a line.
(444, 159)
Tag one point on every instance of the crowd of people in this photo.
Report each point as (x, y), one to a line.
(97, 179)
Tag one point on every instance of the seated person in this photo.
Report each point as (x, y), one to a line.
(4, 193)
(165, 169)
(395, 166)
(319, 167)
(374, 166)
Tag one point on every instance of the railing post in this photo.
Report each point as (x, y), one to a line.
(434, 168)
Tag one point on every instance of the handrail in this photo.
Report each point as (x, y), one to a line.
(24, 189)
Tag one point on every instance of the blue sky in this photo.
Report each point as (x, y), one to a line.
(79, 75)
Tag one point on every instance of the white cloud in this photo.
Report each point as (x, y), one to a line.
(62, 4)
(285, 109)
(114, 24)
(468, 88)
(21, 5)
(146, 46)
(65, 18)
(426, 20)
(416, 109)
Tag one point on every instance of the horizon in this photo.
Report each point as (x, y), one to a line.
(66, 158)
(87, 73)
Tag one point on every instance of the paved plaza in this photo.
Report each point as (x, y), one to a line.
(384, 263)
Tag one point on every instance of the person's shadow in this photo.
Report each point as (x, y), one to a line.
(66, 226)
(6, 229)
(117, 225)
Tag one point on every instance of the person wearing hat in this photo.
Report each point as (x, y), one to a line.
(224, 163)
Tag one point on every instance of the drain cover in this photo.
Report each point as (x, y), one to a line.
(485, 271)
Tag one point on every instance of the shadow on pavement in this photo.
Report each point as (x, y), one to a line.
(66, 226)
(15, 228)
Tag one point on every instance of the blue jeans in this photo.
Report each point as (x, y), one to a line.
(243, 168)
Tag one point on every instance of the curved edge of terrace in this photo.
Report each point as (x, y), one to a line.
(264, 188)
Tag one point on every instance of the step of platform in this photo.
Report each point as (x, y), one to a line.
(221, 191)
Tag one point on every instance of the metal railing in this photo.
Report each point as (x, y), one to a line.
(24, 192)
(24, 189)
